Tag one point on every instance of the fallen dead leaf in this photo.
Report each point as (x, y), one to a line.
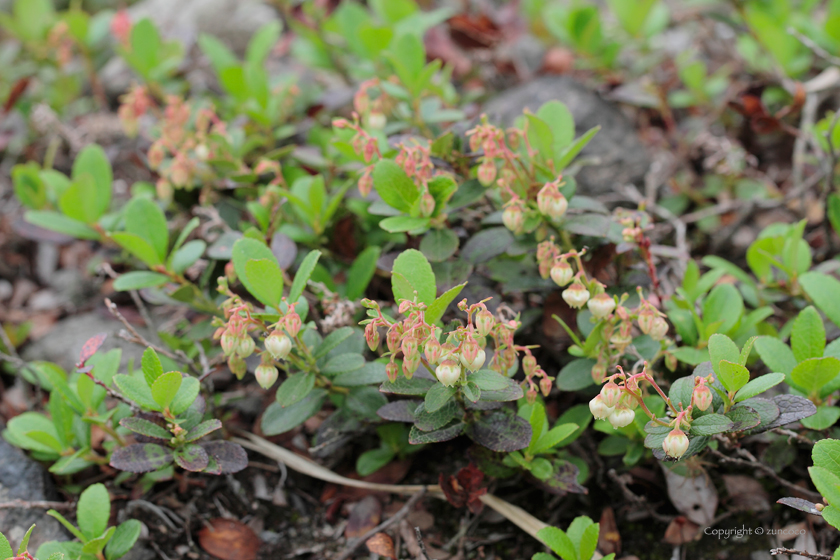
(746, 492)
(681, 530)
(381, 544)
(365, 515)
(695, 498)
(229, 539)
(609, 539)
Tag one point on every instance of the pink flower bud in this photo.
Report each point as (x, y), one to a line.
(514, 217)
(675, 444)
(410, 366)
(671, 362)
(372, 336)
(599, 371)
(622, 338)
(576, 295)
(245, 347)
(484, 322)
(448, 373)
(659, 329)
(599, 409)
(646, 319)
(601, 305)
(278, 345)
(621, 416)
(529, 364)
(531, 396)
(409, 348)
(366, 182)
(121, 27)
(433, 350)
(487, 172)
(392, 371)
(392, 339)
(292, 323)
(266, 375)
(237, 366)
(229, 342)
(156, 154)
(611, 393)
(472, 356)
(551, 202)
(340, 123)
(702, 397)
(545, 385)
(562, 273)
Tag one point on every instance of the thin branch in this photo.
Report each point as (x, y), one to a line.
(137, 338)
(640, 500)
(806, 554)
(754, 463)
(792, 435)
(818, 50)
(405, 510)
(12, 504)
(420, 542)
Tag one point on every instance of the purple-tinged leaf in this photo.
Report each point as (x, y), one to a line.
(140, 457)
(192, 458)
(501, 431)
(206, 427)
(792, 408)
(801, 505)
(145, 428)
(399, 411)
(231, 457)
(417, 437)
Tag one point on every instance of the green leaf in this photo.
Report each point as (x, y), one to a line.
(262, 42)
(711, 424)
(439, 244)
(139, 279)
(489, 380)
(721, 347)
(553, 438)
(67, 525)
(825, 417)
(775, 354)
(402, 386)
(575, 148)
(166, 387)
(151, 366)
(826, 454)
(725, 304)
(575, 375)
(438, 396)
(93, 162)
(138, 247)
(371, 461)
(733, 376)
(823, 290)
(413, 267)
(333, 340)
(244, 250)
(758, 386)
(398, 224)
(28, 185)
(24, 543)
(343, 363)
(145, 219)
(430, 421)
(361, 272)
(5, 548)
(540, 137)
(77, 201)
(588, 540)
(814, 373)
(186, 256)
(278, 420)
(123, 540)
(562, 124)
(438, 307)
(295, 388)
(559, 542)
(471, 391)
(93, 511)
(394, 186)
(186, 395)
(302, 275)
(487, 244)
(135, 388)
(807, 339)
(203, 429)
(827, 483)
(266, 281)
(60, 223)
(146, 428)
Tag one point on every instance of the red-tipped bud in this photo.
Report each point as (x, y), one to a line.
(366, 183)
(448, 373)
(427, 204)
(531, 396)
(487, 172)
(601, 305)
(392, 340)
(562, 273)
(611, 393)
(245, 347)
(646, 319)
(576, 295)
(545, 385)
(514, 217)
(433, 350)
(410, 348)
(266, 375)
(599, 372)
(529, 364)
(292, 323)
(675, 444)
(472, 356)
(278, 345)
(598, 409)
(622, 338)
(551, 202)
(410, 366)
(229, 342)
(702, 397)
(392, 371)
(484, 322)
(372, 336)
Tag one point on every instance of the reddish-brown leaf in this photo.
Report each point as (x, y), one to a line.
(609, 539)
(381, 544)
(229, 539)
(681, 531)
(364, 517)
(90, 347)
(464, 489)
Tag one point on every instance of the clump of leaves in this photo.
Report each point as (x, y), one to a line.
(578, 542)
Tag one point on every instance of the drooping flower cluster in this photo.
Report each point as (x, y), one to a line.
(490, 140)
(365, 145)
(462, 351)
(134, 104)
(621, 394)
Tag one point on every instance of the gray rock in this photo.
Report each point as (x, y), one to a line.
(621, 158)
(21, 478)
(63, 344)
